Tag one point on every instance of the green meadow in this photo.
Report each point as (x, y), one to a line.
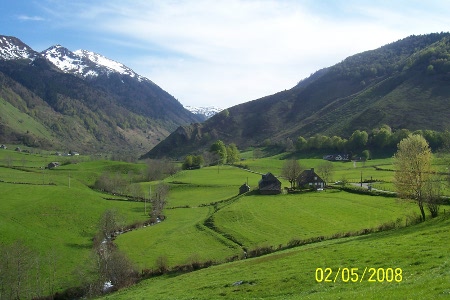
(255, 220)
(56, 214)
(419, 254)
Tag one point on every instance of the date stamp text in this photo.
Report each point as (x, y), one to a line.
(359, 275)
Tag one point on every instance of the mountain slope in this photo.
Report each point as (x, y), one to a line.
(401, 84)
(83, 100)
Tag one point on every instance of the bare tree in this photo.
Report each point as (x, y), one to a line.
(109, 223)
(291, 170)
(136, 191)
(157, 169)
(159, 201)
(433, 195)
(325, 171)
(15, 269)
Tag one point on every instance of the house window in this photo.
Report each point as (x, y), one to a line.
(315, 178)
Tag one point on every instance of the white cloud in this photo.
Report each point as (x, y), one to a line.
(226, 52)
(30, 18)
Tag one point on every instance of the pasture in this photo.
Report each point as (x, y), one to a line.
(258, 220)
(420, 253)
(56, 214)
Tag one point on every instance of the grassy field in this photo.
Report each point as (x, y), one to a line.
(52, 219)
(257, 220)
(181, 239)
(20, 121)
(420, 252)
(56, 213)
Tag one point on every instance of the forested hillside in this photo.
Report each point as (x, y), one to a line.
(404, 85)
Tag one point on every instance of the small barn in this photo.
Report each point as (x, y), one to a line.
(53, 165)
(244, 189)
(269, 185)
(309, 179)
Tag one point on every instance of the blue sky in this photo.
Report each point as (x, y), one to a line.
(221, 53)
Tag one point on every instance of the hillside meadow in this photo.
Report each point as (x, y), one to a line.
(56, 213)
(418, 253)
(56, 220)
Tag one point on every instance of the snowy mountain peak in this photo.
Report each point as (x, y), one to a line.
(12, 48)
(86, 63)
(207, 112)
(65, 60)
(106, 62)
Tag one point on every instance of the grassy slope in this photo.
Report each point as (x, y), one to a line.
(21, 122)
(252, 220)
(257, 220)
(180, 238)
(59, 220)
(54, 220)
(421, 252)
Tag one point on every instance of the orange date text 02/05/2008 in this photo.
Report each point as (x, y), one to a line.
(359, 275)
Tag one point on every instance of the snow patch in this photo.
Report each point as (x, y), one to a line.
(207, 111)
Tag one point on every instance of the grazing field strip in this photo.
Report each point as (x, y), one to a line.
(255, 220)
(291, 274)
(178, 239)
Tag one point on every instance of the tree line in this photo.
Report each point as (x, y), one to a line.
(383, 138)
(219, 153)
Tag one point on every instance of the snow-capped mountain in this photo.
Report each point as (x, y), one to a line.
(13, 48)
(86, 63)
(82, 63)
(110, 107)
(207, 112)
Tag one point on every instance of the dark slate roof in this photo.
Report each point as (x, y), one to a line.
(269, 182)
(307, 176)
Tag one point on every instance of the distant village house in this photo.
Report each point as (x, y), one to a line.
(337, 157)
(53, 165)
(308, 179)
(269, 185)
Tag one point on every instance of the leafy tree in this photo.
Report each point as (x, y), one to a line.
(232, 153)
(291, 170)
(193, 161)
(399, 135)
(382, 136)
(188, 162)
(413, 170)
(301, 143)
(219, 148)
(198, 161)
(358, 140)
(366, 154)
(337, 143)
